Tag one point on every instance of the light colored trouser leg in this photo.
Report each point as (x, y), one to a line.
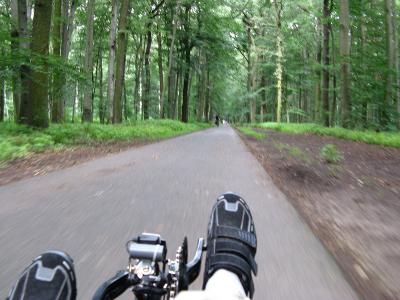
(222, 285)
(224, 281)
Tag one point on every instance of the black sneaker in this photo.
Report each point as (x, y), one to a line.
(232, 241)
(50, 276)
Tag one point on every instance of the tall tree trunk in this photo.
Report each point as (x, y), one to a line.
(251, 86)
(102, 110)
(207, 92)
(177, 103)
(187, 56)
(263, 91)
(142, 81)
(56, 103)
(68, 14)
(125, 102)
(147, 82)
(94, 77)
(96, 74)
(29, 5)
(334, 98)
(138, 74)
(393, 76)
(263, 75)
(201, 86)
(172, 66)
(179, 95)
(23, 14)
(111, 60)
(210, 102)
(2, 99)
(397, 60)
(299, 99)
(185, 91)
(394, 40)
(120, 61)
(75, 101)
(251, 70)
(81, 96)
(15, 49)
(363, 32)
(326, 62)
(345, 59)
(160, 73)
(172, 75)
(21, 81)
(306, 58)
(317, 99)
(253, 99)
(38, 109)
(87, 115)
(391, 61)
(279, 54)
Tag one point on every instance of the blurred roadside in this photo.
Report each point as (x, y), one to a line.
(352, 205)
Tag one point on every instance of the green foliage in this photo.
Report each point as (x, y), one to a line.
(219, 48)
(391, 139)
(331, 154)
(152, 130)
(11, 151)
(18, 140)
(252, 133)
(294, 152)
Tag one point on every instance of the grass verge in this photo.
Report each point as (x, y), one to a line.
(18, 141)
(250, 132)
(294, 151)
(369, 137)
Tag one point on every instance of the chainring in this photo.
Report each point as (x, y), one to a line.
(183, 283)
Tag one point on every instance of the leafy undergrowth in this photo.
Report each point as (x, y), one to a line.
(250, 132)
(294, 151)
(331, 154)
(18, 141)
(391, 139)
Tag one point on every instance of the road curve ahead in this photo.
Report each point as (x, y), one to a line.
(91, 210)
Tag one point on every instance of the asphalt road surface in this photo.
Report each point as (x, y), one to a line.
(91, 210)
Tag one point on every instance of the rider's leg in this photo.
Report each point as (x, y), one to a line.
(50, 276)
(224, 280)
(231, 246)
(223, 284)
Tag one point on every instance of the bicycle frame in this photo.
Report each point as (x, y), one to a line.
(149, 280)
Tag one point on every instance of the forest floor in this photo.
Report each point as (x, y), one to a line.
(352, 206)
(25, 152)
(36, 164)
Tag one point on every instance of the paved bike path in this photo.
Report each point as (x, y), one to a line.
(91, 210)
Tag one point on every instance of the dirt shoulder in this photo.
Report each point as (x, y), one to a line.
(51, 160)
(352, 206)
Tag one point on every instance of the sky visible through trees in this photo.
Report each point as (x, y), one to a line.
(333, 62)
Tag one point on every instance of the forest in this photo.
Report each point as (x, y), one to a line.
(93, 97)
(334, 63)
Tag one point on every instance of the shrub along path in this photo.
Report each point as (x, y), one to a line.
(352, 205)
(25, 152)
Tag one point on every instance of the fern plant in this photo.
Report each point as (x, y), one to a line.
(331, 154)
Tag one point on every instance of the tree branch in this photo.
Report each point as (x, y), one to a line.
(155, 11)
(305, 9)
(241, 52)
(241, 10)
